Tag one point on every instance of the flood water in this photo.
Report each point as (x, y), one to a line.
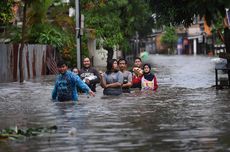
(186, 114)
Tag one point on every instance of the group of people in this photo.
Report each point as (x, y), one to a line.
(115, 80)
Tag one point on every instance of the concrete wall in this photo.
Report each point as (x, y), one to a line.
(100, 58)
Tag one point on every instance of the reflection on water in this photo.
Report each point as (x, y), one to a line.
(186, 114)
(185, 71)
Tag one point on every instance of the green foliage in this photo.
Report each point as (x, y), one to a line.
(48, 34)
(218, 24)
(107, 27)
(176, 12)
(6, 13)
(116, 21)
(37, 11)
(66, 26)
(182, 12)
(12, 33)
(84, 47)
(169, 37)
(41, 34)
(57, 29)
(60, 18)
(217, 28)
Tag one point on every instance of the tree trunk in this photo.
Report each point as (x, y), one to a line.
(110, 53)
(124, 55)
(21, 69)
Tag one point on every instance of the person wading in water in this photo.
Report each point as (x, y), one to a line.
(66, 85)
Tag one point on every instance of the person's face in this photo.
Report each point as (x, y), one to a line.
(122, 65)
(146, 69)
(115, 66)
(138, 63)
(75, 71)
(86, 63)
(62, 69)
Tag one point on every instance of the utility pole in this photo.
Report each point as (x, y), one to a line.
(78, 41)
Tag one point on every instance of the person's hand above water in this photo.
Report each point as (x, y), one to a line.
(91, 93)
(87, 81)
(138, 71)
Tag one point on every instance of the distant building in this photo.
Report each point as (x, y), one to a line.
(197, 39)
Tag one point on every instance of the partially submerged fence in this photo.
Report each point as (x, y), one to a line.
(37, 60)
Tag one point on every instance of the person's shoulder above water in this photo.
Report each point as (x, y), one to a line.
(128, 72)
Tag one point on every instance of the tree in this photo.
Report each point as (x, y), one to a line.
(169, 37)
(6, 13)
(116, 21)
(43, 22)
(39, 14)
(182, 12)
(38, 29)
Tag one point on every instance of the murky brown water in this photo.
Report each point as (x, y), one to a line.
(186, 114)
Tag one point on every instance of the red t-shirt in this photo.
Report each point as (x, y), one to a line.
(136, 81)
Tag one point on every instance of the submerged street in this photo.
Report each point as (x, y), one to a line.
(186, 113)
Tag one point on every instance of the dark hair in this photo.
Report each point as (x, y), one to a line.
(137, 58)
(61, 63)
(75, 68)
(86, 58)
(122, 60)
(147, 65)
(109, 66)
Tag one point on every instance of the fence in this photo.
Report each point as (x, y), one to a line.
(37, 60)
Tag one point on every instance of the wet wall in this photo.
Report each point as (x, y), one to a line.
(36, 61)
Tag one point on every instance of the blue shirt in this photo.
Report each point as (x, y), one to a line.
(66, 85)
